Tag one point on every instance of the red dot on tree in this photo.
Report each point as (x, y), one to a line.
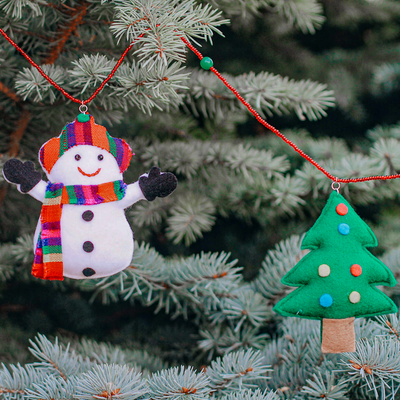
(356, 270)
(342, 209)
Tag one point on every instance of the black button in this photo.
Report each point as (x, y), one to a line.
(88, 215)
(88, 246)
(88, 272)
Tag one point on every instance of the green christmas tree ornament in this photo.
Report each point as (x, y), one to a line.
(337, 279)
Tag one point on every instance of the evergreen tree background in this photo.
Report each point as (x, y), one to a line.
(204, 279)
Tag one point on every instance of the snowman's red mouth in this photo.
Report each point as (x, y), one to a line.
(84, 173)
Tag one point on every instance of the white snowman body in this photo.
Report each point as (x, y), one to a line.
(97, 240)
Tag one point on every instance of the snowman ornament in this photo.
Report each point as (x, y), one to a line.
(82, 232)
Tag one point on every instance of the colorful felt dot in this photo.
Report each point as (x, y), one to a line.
(324, 270)
(356, 270)
(344, 229)
(326, 300)
(206, 63)
(342, 209)
(354, 297)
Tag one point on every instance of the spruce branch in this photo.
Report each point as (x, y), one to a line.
(328, 149)
(355, 165)
(243, 306)
(6, 262)
(385, 153)
(162, 23)
(188, 158)
(327, 387)
(110, 381)
(392, 260)
(90, 71)
(244, 159)
(251, 395)
(15, 380)
(16, 9)
(374, 365)
(294, 355)
(236, 370)
(390, 325)
(286, 194)
(306, 15)
(311, 180)
(151, 213)
(51, 388)
(197, 282)
(75, 19)
(147, 87)
(54, 358)
(178, 384)
(189, 218)
(384, 132)
(386, 78)
(106, 353)
(223, 341)
(266, 92)
(275, 265)
(22, 250)
(282, 95)
(184, 158)
(31, 84)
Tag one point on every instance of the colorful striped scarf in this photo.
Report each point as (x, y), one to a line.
(48, 263)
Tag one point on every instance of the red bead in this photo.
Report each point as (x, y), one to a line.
(342, 209)
(356, 270)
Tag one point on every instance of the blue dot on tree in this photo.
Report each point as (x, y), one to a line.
(326, 300)
(344, 229)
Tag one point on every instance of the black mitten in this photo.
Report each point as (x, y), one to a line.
(157, 184)
(24, 174)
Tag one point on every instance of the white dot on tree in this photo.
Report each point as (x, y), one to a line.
(354, 297)
(324, 270)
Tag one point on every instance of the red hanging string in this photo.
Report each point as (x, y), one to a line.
(281, 135)
(227, 84)
(58, 87)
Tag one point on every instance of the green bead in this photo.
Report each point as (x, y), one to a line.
(83, 117)
(206, 63)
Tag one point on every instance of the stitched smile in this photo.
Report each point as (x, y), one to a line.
(84, 173)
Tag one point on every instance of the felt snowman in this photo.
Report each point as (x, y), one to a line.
(82, 231)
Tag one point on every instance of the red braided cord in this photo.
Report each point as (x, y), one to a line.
(281, 135)
(58, 87)
(226, 83)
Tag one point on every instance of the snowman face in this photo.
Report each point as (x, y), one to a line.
(85, 165)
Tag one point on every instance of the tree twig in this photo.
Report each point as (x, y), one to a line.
(9, 93)
(17, 135)
(65, 33)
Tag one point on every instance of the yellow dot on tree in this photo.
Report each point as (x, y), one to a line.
(354, 297)
(324, 270)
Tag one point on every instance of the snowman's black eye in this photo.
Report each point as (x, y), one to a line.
(77, 157)
(100, 157)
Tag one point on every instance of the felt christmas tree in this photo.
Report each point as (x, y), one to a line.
(337, 280)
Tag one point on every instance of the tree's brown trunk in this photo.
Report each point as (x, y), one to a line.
(338, 335)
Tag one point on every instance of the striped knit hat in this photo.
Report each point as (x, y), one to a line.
(84, 131)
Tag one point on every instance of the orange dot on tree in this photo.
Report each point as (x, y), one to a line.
(356, 270)
(342, 209)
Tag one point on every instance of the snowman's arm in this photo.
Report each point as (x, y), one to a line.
(133, 194)
(38, 192)
(149, 186)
